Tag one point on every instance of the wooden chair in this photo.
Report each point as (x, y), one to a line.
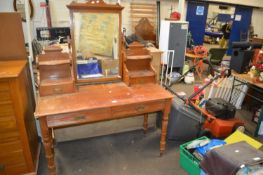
(145, 30)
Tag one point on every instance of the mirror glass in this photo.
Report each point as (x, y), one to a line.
(96, 37)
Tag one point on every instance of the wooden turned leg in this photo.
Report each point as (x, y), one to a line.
(48, 145)
(145, 123)
(200, 69)
(164, 125)
(51, 134)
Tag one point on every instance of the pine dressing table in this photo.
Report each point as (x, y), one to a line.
(106, 97)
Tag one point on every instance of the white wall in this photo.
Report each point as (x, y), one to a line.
(60, 13)
(257, 22)
(39, 19)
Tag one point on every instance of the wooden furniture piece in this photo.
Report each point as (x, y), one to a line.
(145, 30)
(55, 73)
(12, 41)
(137, 67)
(156, 61)
(19, 148)
(96, 41)
(97, 103)
(247, 78)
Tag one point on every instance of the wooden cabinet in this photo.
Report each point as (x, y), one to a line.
(156, 61)
(19, 148)
(55, 75)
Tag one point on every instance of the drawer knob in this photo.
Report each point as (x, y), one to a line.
(2, 167)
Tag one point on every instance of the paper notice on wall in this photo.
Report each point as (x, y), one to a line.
(238, 17)
(200, 10)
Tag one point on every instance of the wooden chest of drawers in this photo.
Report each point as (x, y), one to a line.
(19, 146)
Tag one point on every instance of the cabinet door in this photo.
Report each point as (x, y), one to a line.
(177, 42)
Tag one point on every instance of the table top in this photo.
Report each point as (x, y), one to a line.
(247, 78)
(100, 96)
(192, 55)
(11, 68)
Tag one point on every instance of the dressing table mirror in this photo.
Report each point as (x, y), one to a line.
(96, 41)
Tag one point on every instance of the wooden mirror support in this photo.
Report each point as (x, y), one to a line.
(96, 41)
(19, 6)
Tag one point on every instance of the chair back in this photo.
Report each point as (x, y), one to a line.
(216, 55)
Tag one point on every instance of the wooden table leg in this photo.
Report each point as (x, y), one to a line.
(145, 123)
(48, 145)
(164, 125)
(199, 67)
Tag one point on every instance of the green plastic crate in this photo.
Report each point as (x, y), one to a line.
(188, 161)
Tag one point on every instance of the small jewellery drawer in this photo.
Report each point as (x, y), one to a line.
(57, 89)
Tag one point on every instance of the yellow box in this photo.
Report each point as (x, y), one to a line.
(238, 136)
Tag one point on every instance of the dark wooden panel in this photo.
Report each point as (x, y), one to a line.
(12, 37)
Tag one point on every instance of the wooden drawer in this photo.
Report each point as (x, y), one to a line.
(10, 147)
(9, 136)
(6, 110)
(4, 97)
(57, 89)
(14, 169)
(13, 158)
(134, 109)
(77, 118)
(7, 124)
(8, 130)
(4, 86)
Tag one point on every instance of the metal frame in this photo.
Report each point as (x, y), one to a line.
(254, 87)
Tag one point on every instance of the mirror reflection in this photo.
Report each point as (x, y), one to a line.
(96, 37)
